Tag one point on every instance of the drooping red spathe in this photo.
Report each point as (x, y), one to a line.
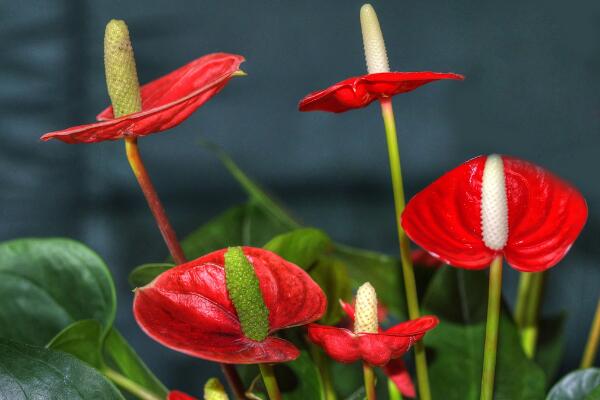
(188, 309)
(376, 349)
(166, 102)
(545, 216)
(360, 91)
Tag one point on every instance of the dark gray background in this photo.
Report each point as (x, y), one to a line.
(532, 90)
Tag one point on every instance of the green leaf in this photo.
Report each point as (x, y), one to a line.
(331, 275)
(47, 284)
(459, 299)
(297, 380)
(551, 344)
(245, 225)
(302, 247)
(83, 339)
(120, 355)
(28, 372)
(144, 274)
(578, 385)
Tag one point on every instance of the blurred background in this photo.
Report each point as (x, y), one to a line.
(532, 91)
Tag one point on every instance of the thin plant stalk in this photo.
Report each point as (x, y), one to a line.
(591, 348)
(393, 392)
(127, 384)
(268, 375)
(410, 286)
(491, 329)
(369, 377)
(527, 309)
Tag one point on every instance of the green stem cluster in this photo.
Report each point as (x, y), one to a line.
(268, 375)
(527, 309)
(491, 329)
(410, 286)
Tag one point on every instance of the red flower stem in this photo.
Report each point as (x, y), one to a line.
(410, 286)
(491, 329)
(591, 348)
(170, 238)
(158, 211)
(369, 376)
(268, 375)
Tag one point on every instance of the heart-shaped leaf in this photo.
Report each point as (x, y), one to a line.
(28, 372)
(578, 385)
(47, 284)
(459, 299)
(144, 274)
(331, 275)
(302, 247)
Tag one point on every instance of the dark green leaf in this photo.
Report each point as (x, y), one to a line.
(302, 247)
(47, 284)
(144, 274)
(28, 372)
(551, 344)
(83, 339)
(459, 299)
(245, 225)
(297, 380)
(118, 354)
(577, 385)
(331, 275)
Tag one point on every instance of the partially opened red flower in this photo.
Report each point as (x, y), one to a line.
(360, 91)
(201, 309)
(166, 102)
(496, 205)
(368, 342)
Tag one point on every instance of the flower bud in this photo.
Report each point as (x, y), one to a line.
(214, 390)
(119, 66)
(365, 314)
(374, 45)
(244, 291)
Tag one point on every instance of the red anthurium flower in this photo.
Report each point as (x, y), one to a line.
(166, 102)
(496, 205)
(374, 346)
(360, 91)
(195, 308)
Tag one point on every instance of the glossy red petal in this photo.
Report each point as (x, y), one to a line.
(397, 372)
(445, 218)
(360, 91)
(166, 102)
(177, 395)
(545, 216)
(374, 348)
(187, 308)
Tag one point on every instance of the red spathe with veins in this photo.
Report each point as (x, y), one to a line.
(188, 309)
(544, 217)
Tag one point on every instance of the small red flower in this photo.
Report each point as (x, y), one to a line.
(166, 102)
(360, 91)
(496, 205)
(377, 349)
(177, 395)
(188, 308)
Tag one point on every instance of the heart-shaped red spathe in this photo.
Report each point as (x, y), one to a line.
(188, 309)
(166, 102)
(360, 91)
(376, 349)
(545, 216)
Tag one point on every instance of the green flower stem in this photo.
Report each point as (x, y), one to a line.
(410, 286)
(591, 348)
(268, 375)
(125, 383)
(491, 329)
(527, 309)
(323, 365)
(393, 392)
(369, 376)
